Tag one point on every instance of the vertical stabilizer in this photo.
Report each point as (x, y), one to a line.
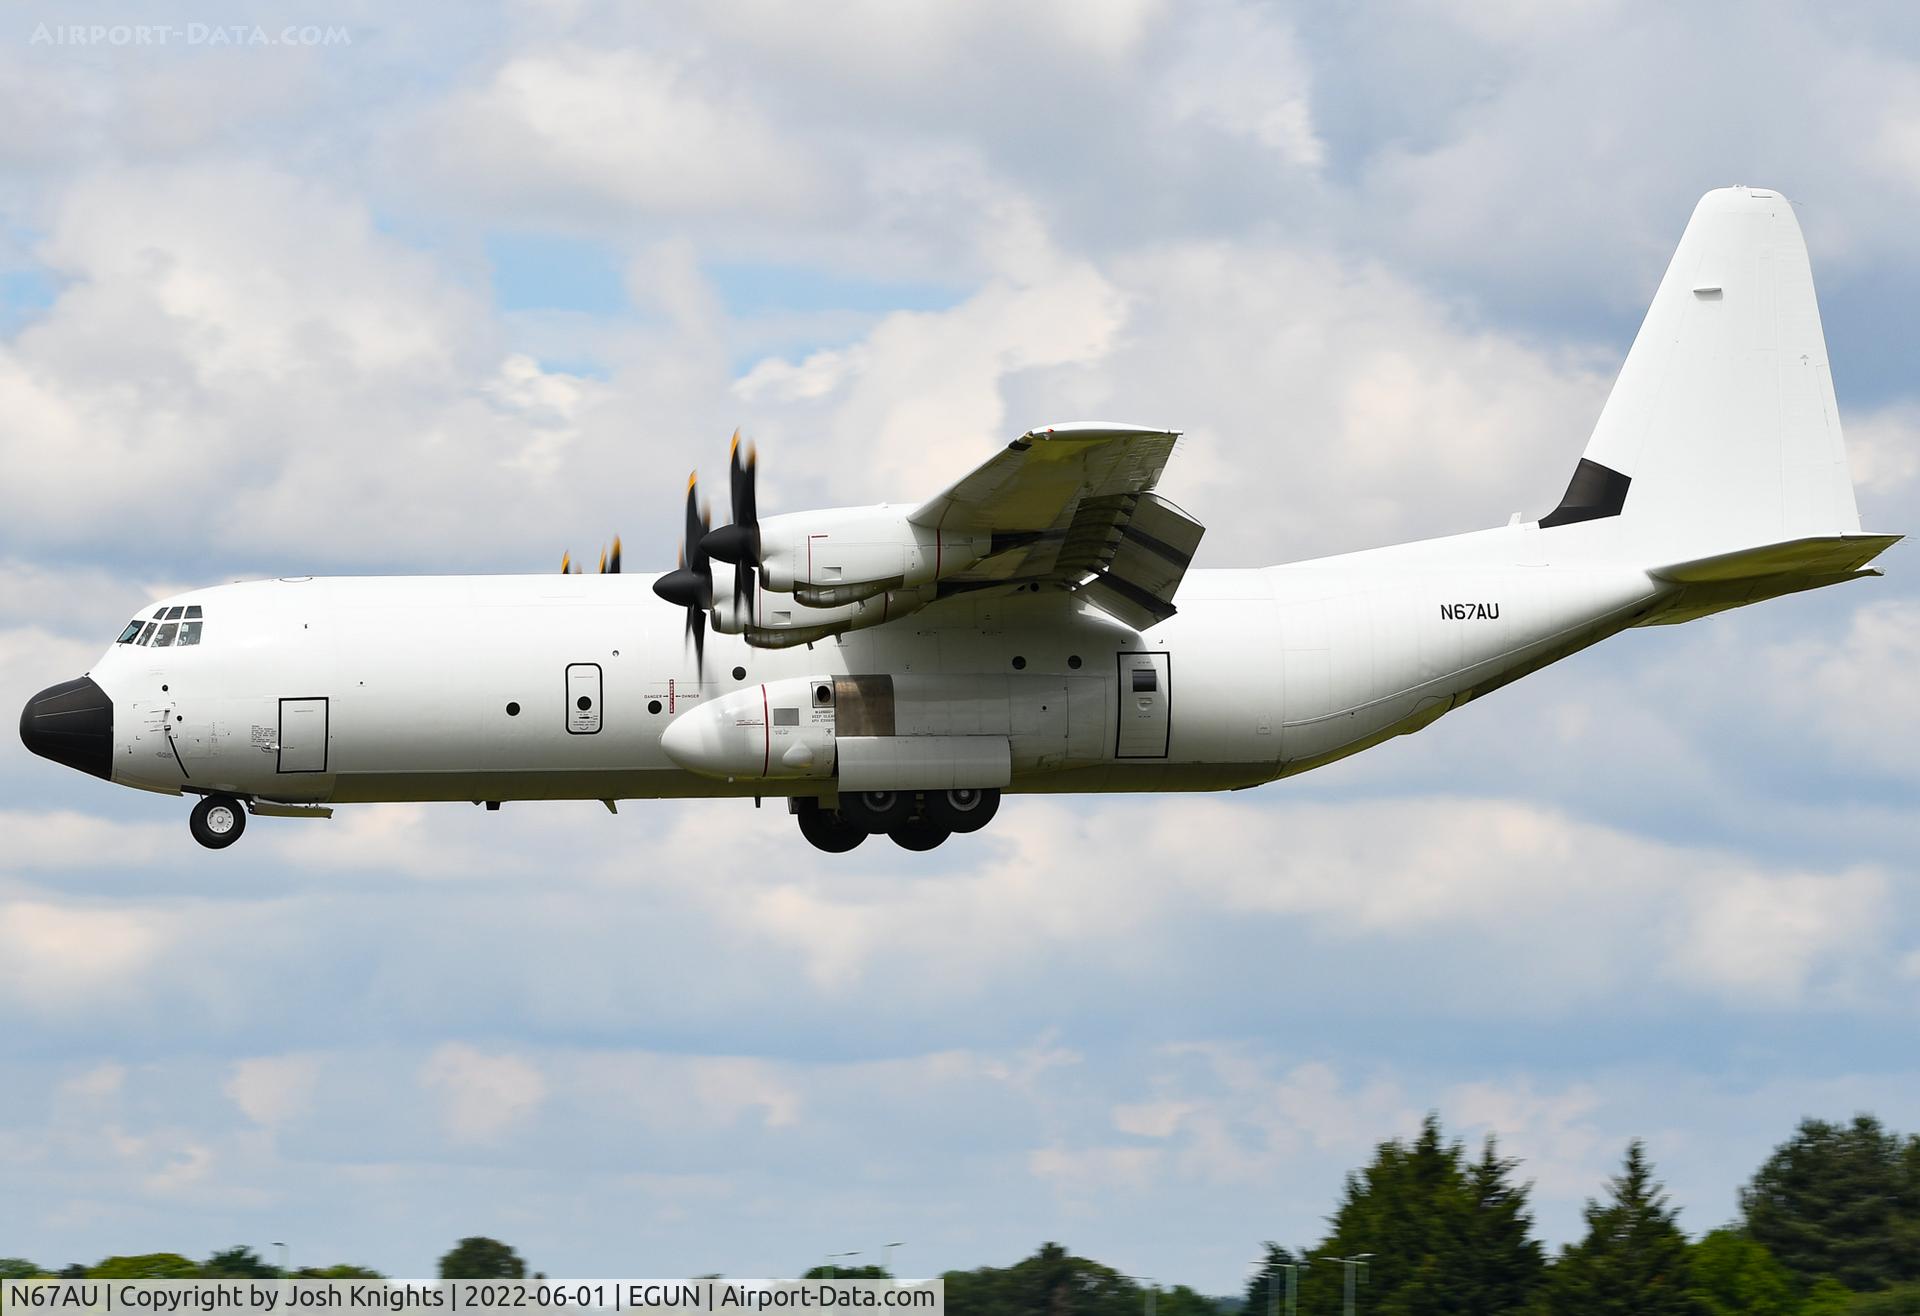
(1721, 432)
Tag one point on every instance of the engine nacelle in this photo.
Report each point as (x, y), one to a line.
(847, 554)
(778, 621)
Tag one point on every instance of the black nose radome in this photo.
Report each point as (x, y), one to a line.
(71, 723)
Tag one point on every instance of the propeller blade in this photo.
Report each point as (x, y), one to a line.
(603, 561)
(690, 585)
(613, 563)
(566, 561)
(739, 543)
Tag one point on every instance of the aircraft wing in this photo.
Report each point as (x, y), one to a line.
(1073, 505)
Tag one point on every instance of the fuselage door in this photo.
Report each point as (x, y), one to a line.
(1146, 704)
(583, 699)
(303, 735)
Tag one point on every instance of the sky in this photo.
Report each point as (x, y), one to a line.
(449, 288)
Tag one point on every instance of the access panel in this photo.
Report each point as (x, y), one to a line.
(1146, 705)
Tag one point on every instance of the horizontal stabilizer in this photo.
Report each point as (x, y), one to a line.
(1819, 556)
(1732, 580)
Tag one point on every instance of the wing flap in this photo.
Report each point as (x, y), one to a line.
(1149, 550)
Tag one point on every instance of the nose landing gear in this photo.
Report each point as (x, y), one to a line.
(915, 822)
(217, 821)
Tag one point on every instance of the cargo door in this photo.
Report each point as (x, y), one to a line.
(303, 735)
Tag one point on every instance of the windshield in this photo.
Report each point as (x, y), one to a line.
(177, 627)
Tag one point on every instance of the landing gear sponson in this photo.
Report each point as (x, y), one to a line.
(915, 820)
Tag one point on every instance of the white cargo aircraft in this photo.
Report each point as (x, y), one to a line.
(895, 668)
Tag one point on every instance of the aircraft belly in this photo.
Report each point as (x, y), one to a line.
(1367, 661)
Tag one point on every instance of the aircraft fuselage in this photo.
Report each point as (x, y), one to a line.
(341, 690)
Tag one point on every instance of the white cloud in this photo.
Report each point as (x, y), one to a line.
(1854, 690)
(272, 1090)
(1240, 73)
(96, 1084)
(626, 129)
(483, 1096)
(62, 957)
(1769, 935)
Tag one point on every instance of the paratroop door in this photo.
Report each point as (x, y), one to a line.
(583, 698)
(1146, 705)
(303, 735)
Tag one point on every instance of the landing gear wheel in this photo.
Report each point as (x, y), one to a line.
(876, 811)
(918, 835)
(217, 821)
(962, 810)
(827, 830)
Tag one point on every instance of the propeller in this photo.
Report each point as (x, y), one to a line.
(739, 543)
(609, 562)
(690, 586)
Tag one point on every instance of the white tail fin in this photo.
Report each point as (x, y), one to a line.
(1721, 433)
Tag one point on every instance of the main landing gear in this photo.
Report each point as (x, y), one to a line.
(217, 821)
(915, 820)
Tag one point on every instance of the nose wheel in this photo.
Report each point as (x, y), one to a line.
(217, 821)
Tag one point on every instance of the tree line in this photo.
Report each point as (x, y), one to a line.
(1829, 1225)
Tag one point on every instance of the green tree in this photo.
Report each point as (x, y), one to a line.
(847, 1272)
(1839, 1201)
(1735, 1276)
(18, 1268)
(1900, 1300)
(1829, 1297)
(238, 1263)
(1051, 1282)
(336, 1272)
(151, 1265)
(1505, 1263)
(1183, 1301)
(1267, 1290)
(482, 1258)
(1633, 1261)
(1447, 1235)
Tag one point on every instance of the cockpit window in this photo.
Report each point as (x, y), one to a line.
(175, 626)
